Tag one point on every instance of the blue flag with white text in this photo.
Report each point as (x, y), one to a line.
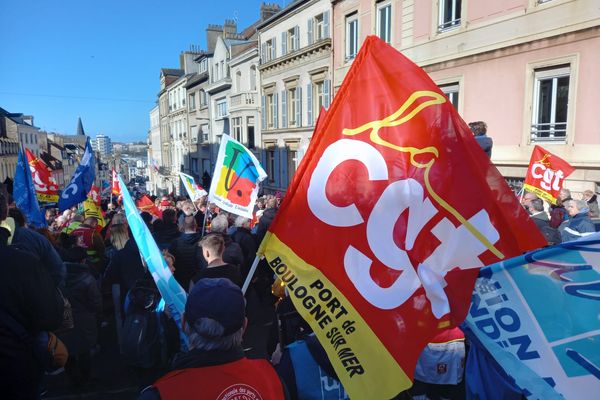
(81, 182)
(170, 290)
(24, 193)
(537, 315)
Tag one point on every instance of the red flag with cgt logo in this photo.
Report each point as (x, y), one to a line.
(387, 221)
(546, 174)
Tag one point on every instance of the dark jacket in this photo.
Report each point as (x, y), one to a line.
(166, 234)
(264, 223)
(188, 257)
(542, 221)
(85, 297)
(34, 243)
(126, 267)
(577, 227)
(593, 205)
(247, 242)
(29, 298)
(231, 272)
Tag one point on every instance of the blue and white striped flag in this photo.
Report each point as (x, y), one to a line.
(170, 290)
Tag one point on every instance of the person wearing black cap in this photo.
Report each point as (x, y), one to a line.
(215, 367)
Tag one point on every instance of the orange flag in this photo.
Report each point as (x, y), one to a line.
(387, 221)
(46, 188)
(546, 174)
(146, 204)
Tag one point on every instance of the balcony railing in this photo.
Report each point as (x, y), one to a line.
(549, 132)
(243, 99)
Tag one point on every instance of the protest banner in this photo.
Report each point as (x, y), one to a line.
(377, 242)
(193, 190)
(537, 315)
(92, 210)
(234, 187)
(24, 193)
(115, 185)
(546, 174)
(146, 204)
(170, 290)
(46, 188)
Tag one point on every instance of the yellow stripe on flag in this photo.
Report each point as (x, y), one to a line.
(363, 364)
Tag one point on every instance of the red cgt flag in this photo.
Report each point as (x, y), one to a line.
(116, 187)
(546, 174)
(146, 204)
(46, 188)
(386, 223)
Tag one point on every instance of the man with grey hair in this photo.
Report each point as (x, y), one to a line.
(243, 236)
(215, 367)
(541, 220)
(579, 223)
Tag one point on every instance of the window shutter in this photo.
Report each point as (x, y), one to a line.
(297, 37)
(275, 107)
(284, 122)
(299, 106)
(263, 53)
(310, 31)
(283, 43)
(263, 115)
(284, 167)
(309, 105)
(276, 173)
(273, 49)
(326, 24)
(326, 92)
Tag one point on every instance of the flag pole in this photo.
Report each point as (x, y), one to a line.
(251, 273)
(204, 223)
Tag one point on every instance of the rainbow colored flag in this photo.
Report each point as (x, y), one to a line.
(234, 187)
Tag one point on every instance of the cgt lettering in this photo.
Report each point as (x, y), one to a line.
(397, 197)
(550, 179)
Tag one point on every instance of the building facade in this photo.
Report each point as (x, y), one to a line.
(103, 145)
(295, 84)
(522, 66)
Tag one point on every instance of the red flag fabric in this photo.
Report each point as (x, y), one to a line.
(146, 204)
(388, 219)
(546, 174)
(46, 188)
(116, 187)
(94, 195)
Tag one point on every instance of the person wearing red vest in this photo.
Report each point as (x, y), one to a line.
(215, 368)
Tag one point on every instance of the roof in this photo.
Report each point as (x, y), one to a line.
(171, 71)
(80, 131)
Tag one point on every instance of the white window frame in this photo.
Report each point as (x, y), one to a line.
(221, 109)
(270, 44)
(291, 40)
(319, 27)
(291, 107)
(192, 104)
(318, 96)
(384, 26)
(236, 129)
(351, 41)
(270, 110)
(452, 21)
(452, 92)
(537, 128)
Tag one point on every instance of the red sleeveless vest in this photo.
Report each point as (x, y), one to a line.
(87, 235)
(241, 379)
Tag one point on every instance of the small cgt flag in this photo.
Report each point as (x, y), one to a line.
(546, 174)
(377, 241)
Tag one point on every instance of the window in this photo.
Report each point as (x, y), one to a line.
(449, 14)
(203, 65)
(293, 107)
(451, 91)
(319, 27)
(253, 78)
(294, 39)
(236, 128)
(204, 130)
(268, 50)
(319, 96)
(550, 104)
(192, 101)
(351, 36)
(292, 157)
(250, 132)
(203, 100)
(221, 108)
(271, 110)
(384, 21)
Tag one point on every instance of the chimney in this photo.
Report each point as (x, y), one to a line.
(267, 10)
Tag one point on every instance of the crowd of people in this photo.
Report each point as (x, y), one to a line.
(61, 284)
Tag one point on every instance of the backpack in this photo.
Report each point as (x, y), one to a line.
(143, 342)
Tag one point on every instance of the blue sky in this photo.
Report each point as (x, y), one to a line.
(100, 59)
